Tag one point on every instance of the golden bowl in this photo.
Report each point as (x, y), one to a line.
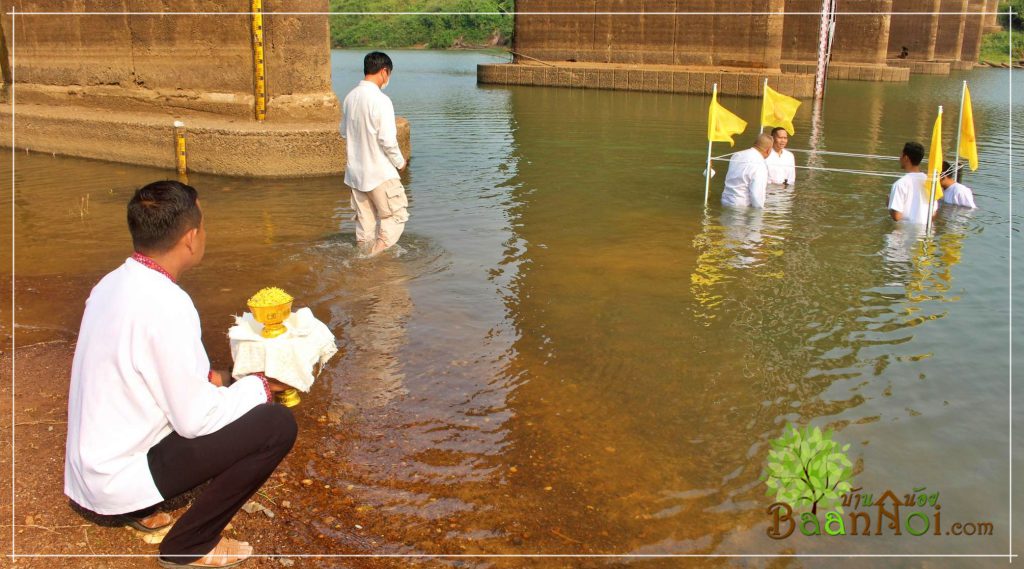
(272, 318)
(289, 397)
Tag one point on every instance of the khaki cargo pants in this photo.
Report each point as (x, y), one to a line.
(381, 213)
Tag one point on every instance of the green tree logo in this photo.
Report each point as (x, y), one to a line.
(806, 468)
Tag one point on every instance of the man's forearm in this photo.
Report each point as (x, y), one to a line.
(394, 154)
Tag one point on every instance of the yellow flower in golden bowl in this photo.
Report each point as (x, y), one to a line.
(271, 306)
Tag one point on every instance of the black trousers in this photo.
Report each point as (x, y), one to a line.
(237, 460)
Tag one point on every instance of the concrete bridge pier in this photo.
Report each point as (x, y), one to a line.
(991, 21)
(685, 51)
(974, 25)
(951, 31)
(860, 46)
(110, 86)
(918, 35)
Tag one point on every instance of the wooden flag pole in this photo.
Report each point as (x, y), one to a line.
(707, 168)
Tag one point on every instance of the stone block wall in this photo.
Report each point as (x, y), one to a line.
(662, 79)
(657, 32)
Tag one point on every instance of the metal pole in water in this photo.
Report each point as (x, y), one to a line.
(935, 171)
(707, 164)
(959, 129)
(764, 93)
(259, 68)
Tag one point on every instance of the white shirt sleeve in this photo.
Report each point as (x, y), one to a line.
(172, 362)
(759, 187)
(897, 196)
(791, 172)
(343, 125)
(387, 132)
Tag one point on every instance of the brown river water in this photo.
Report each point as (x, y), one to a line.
(569, 354)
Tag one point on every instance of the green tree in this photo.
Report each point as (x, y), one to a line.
(492, 18)
(1018, 17)
(806, 468)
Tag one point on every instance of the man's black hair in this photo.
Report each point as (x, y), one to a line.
(160, 213)
(947, 169)
(914, 151)
(777, 129)
(375, 61)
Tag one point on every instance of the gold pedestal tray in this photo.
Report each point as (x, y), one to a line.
(272, 318)
(288, 397)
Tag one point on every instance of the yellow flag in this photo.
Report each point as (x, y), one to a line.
(935, 161)
(778, 109)
(968, 144)
(722, 124)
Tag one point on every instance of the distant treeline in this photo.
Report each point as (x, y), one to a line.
(421, 31)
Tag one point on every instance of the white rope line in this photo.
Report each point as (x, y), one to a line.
(725, 155)
(850, 155)
(840, 170)
(848, 171)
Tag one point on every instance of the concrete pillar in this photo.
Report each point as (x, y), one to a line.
(973, 29)
(859, 48)
(991, 20)
(109, 86)
(950, 38)
(859, 39)
(916, 33)
(800, 31)
(862, 39)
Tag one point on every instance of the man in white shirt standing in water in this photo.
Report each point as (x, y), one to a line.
(374, 158)
(746, 182)
(781, 163)
(908, 199)
(953, 192)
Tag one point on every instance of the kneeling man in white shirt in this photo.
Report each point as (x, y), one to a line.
(746, 182)
(147, 418)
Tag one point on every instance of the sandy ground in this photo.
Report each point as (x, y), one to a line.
(45, 522)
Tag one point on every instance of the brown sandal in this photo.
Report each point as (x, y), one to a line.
(161, 519)
(217, 558)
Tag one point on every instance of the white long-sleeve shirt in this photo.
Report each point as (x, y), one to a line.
(781, 167)
(746, 182)
(368, 126)
(140, 371)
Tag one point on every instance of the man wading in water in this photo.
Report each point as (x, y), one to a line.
(147, 418)
(374, 159)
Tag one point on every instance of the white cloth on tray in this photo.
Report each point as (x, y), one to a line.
(288, 358)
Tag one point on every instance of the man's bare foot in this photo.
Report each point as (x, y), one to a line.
(378, 247)
(227, 553)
